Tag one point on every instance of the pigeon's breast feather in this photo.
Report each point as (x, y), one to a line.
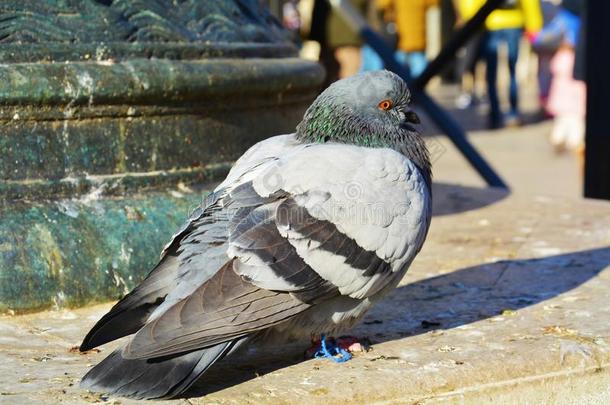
(376, 196)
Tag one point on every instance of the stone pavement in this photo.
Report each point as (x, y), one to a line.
(508, 302)
(522, 156)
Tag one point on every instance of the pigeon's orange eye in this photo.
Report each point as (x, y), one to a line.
(385, 105)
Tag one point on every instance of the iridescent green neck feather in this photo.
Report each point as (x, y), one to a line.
(347, 112)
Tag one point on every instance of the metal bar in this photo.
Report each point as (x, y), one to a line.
(440, 117)
(597, 134)
(456, 134)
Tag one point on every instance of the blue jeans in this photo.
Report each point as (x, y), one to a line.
(415, 60)
(370, 60)
(490, 49)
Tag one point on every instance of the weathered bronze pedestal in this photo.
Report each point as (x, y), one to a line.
(110, 111)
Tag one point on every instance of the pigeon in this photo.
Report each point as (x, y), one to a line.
(305, 234)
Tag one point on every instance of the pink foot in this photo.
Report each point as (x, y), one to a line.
(352, 344)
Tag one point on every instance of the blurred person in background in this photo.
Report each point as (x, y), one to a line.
(342, 51)
(381, 19)
(545, 45)
(567, 96)
(344, 41)
(409, 19)
(466, 62)
(291, 19)
(340, 44)
(505, 25)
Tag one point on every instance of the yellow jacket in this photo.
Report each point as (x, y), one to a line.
(410, 18)
(526, 15)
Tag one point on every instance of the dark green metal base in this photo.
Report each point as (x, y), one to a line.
(109, 112)
(89, 191)
(74, 252)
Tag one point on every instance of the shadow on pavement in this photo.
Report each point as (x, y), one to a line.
(446, 301)
(453, 199)
(483, 291)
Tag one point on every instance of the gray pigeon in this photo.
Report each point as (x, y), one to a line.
(305, 234)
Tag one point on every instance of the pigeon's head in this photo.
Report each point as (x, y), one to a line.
(369, 109)
(361, 109)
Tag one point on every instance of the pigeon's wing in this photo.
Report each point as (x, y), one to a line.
(133, 310)
(316, 223)
(229, 306)
(202, 250)
(357, 216)
(244, 169)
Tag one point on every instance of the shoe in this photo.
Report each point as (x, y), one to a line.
(464, 101)
(495, 123)
(512, 121)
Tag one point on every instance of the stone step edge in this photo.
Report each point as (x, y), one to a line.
(111, 184)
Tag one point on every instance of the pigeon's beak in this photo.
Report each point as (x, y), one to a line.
(411, 117)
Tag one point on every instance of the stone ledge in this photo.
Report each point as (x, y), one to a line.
(110, 184)
(58, 52)
(159, 82)
(70, 120)
(507, 303)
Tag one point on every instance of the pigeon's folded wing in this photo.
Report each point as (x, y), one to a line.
(307, 226)
(198, 244)
(131, 313)
(357, 216)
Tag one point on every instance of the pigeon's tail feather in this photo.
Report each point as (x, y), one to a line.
(154, 378)
(131, 313)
